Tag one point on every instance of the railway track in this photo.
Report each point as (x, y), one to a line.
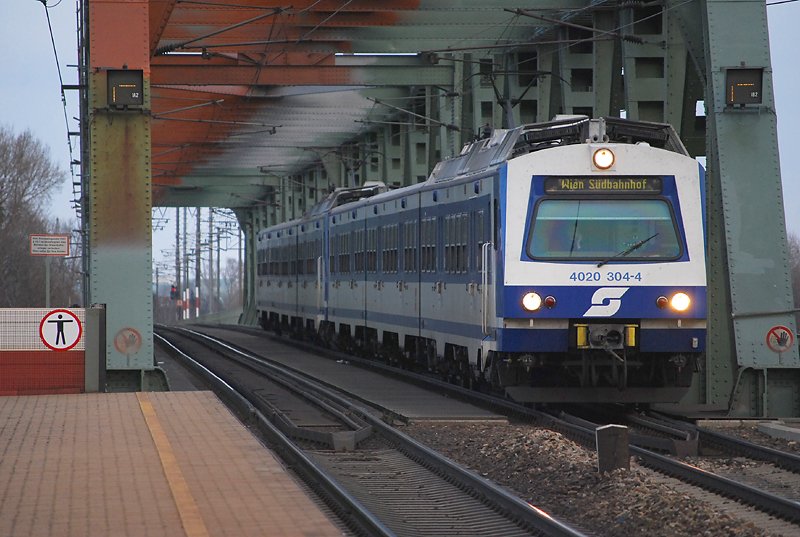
(771, 503)
(393, 484)
(758, 472)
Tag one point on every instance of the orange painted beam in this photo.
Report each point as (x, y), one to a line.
(294, 75)
(226, 17)
(160, 14)
(116, 29)
(283, 75)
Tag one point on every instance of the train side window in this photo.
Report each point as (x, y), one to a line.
(480, 239)
(317, 253)
(344, 254)
(428, 244)
(332, 254)
(372, 250)
(456, 236)
(448, 244)
(301, 258)
(463, 240)
(410, 246)
(389, 248)
(358, 251)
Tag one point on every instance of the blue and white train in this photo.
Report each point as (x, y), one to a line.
(561, 261)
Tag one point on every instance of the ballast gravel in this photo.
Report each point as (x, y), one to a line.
(560, 476)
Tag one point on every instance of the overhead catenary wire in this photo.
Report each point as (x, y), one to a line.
(61, 85)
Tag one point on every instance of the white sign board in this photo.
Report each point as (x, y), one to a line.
(56, 245)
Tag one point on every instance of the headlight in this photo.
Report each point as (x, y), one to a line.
(603, 158)
(680, 302)
(531, 301)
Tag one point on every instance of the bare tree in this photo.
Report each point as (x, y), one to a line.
(27, 179)
(27, 175)
(231, 286)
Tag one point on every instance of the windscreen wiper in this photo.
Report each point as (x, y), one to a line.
(626, 251)
(575, 230)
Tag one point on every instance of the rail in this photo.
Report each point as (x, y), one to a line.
(515, 507)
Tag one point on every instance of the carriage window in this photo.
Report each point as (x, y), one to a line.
(372, 250)
(410, 246)
(358, 250)
(344, 254)
(332, 254)
(480, 239)
(428, 244)
(456, 237)
(601, 229)
(389, 252)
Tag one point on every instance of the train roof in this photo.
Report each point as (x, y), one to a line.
(342, 196)
(505, 144)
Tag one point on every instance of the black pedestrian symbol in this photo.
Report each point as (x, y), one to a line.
(60, 328)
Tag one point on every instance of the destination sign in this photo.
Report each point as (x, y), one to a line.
(602, 185)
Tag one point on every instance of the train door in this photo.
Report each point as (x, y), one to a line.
(358, 285)
(309, 246)
(408, 282)
(375, 228)
(324, 271)
(346, 306)
(338, 268)
(481, 256)
(433, 316)
(294, 281)
(283, 286)
(383, 292)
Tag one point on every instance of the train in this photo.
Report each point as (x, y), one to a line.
(562, 261)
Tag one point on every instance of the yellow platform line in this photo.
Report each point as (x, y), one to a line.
(192, 520)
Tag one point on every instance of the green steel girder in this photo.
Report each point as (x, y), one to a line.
(744, 184)
(117, 193)
(332, 133)
(680, 65)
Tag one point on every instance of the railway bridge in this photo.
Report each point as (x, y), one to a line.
(262, 107)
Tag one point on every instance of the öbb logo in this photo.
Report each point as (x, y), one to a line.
(606, 301)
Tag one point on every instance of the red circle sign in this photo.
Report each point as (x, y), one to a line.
(128, 341)
(779, 339)
(60, 330)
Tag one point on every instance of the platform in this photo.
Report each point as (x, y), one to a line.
(135, 464)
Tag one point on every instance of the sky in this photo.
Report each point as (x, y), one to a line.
(30, 94)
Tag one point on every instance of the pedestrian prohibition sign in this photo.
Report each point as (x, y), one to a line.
(780, 339)
(60, 330)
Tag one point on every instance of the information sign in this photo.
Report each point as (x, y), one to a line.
(53, 245)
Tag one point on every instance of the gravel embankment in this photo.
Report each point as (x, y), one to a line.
(749, 431)
(560, 476)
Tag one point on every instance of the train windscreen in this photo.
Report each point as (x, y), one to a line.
(604, 230)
